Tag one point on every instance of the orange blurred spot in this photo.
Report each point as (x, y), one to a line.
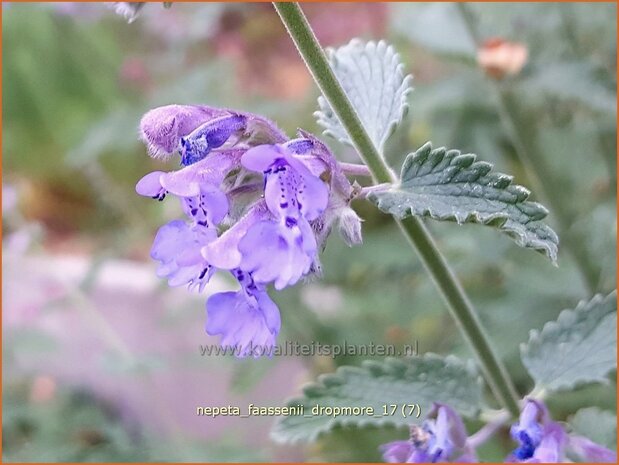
(500, 58)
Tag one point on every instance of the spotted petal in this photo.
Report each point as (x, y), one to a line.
(278, 253)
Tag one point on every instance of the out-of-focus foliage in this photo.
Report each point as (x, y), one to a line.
(75, 84)
(592, 325)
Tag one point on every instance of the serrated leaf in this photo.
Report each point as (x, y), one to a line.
(447, 185)
(421, 380)
(373, 78)
(579, 347)
(598, 425)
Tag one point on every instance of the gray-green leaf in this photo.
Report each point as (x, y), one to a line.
(579, 347)
(449, 186)
(598, 425)
(421, 380)
(373, 78)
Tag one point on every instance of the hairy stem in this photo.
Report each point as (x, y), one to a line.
(461, 309)
(487, 431)
(354, 169)
(365, 191)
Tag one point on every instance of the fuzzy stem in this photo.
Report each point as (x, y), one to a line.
(488, 430)
(462, 311)
(365, 191)
(354, 169)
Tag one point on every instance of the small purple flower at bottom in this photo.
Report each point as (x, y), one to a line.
(441, 438)
(177, 248)
(529, 430)
(545, 441)
(589, 451)
(248, 320)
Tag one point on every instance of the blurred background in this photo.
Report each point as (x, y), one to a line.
(101, 359)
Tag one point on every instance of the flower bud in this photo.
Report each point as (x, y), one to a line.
(350, 226)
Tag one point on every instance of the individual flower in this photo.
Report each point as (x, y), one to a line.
(542, 440)
(210, 135)
(283, 249)
(193, 131)
(441, 438)
(247, 320)
(177, 248)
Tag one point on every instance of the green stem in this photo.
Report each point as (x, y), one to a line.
(461, 309)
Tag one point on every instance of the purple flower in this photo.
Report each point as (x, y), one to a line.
(247, 320)
(589, 451)
(177, 248)
(540, 438)
(197, 185)
(283, 249)
(211, 135)
(195, 130)
(161, 129)
(529, 430)
(320, 159)
(441, 438)
(397, 451)
(545, 441)
(277, 197)
(290, 188)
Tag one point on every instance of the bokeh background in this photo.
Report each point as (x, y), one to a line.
(101, 359)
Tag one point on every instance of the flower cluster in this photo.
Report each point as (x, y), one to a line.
(442, 438)
(258, 205)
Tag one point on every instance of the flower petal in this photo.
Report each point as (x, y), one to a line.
(396, 451)
(276, 253)
(261, 157)
(150, 185)
(589, 451)
(211, 170)
(248, 322)
(211, 135)
(208, 208)
(177, 248)
(161, 128)
(223, 252)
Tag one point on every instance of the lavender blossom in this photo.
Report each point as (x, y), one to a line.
(441, 438)
(589, 451)
(177, 248)
(283, 249)
(543, 440)
(247, 320)
(194, 130)
(277, 197)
